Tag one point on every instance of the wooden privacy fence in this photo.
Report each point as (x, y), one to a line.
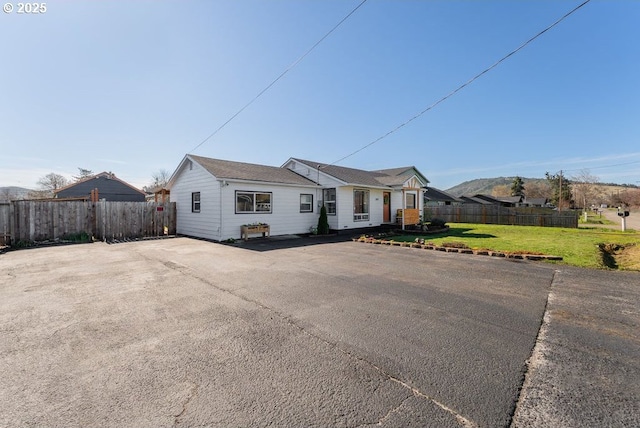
(494, 214)
(33, 221)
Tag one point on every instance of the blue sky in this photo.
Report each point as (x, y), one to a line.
(131, 87)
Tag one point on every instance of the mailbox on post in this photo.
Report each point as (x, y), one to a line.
(623, 214)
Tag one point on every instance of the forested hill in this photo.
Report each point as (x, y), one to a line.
(486, 185)
(539, 187)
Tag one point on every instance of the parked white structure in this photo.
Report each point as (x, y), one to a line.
(214, 198)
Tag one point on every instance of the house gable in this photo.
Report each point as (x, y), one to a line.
(109, 187)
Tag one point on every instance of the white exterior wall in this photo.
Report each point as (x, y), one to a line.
(396, 203)
(325, 182)
(285, 217)
(206, 223)
(345, 207)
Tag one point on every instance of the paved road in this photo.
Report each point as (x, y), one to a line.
(184, 332)
(632, 222)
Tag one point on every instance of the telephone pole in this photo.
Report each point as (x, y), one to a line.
(560, 194)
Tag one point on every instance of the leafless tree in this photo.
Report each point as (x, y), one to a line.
(48, 185)
(538, 189)
(584, 186)
(160, 179)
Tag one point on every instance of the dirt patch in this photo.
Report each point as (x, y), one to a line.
(629, 257)
(617, 256)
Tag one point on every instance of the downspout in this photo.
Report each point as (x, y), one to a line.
(221, 222)
(404, 207)
(318, 194)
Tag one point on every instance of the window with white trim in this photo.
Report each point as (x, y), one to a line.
(306, 203)
(195, 202)
(410, 199)
(360, 205)
(329, 200)
(253, 202)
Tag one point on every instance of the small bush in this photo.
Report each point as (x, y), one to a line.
(79, 237)
(437, 222)
(323, 222)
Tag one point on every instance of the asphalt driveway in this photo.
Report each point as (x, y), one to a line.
(184, 332)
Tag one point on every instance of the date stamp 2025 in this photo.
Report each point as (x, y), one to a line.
(25, 8)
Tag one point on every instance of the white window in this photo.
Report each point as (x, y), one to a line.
(360, 205)
(253, 202)
(329, 200)
(306, 203)
(195, 202)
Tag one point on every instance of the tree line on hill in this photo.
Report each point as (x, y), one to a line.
(583, 190)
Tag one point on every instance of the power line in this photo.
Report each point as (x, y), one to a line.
(293, 64)
(459, 88)
(604, 166)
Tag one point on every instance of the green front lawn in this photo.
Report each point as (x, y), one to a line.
(577, 247)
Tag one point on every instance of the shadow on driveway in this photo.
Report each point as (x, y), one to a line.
(290, 241)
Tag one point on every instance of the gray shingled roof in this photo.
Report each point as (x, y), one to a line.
(348, 175)
(381, 178)
(397, 176)
(231, 170)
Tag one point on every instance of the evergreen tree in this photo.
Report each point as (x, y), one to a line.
(561, 194)
(323, 222)
(82, 174)
(517, 187)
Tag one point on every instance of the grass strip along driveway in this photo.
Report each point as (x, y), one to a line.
(592, 247)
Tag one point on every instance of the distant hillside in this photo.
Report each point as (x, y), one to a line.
(13, 192)
(486, 185)
(603, 192)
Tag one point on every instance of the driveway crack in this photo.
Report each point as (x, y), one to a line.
(537, 352)
(193, 392)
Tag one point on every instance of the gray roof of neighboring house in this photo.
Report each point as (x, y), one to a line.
(535, 201)
(109, 187)
(499, 200)
(231, 170)
(474, 200)
(433, 194)
(380, 178)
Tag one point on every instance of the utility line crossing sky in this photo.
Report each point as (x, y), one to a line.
(132, 87)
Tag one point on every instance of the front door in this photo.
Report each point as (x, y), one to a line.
(386, 207)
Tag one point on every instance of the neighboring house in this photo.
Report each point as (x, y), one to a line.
(108, 186)
(535, 202)
(436, 198)
(505, 201)
(214, 198)
(473, 200)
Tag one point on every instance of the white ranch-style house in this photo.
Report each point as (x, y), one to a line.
(215, 198)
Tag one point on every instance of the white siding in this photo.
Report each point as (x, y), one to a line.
(285, 217)
(396, 203)
(206, 223)
(345, 208)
